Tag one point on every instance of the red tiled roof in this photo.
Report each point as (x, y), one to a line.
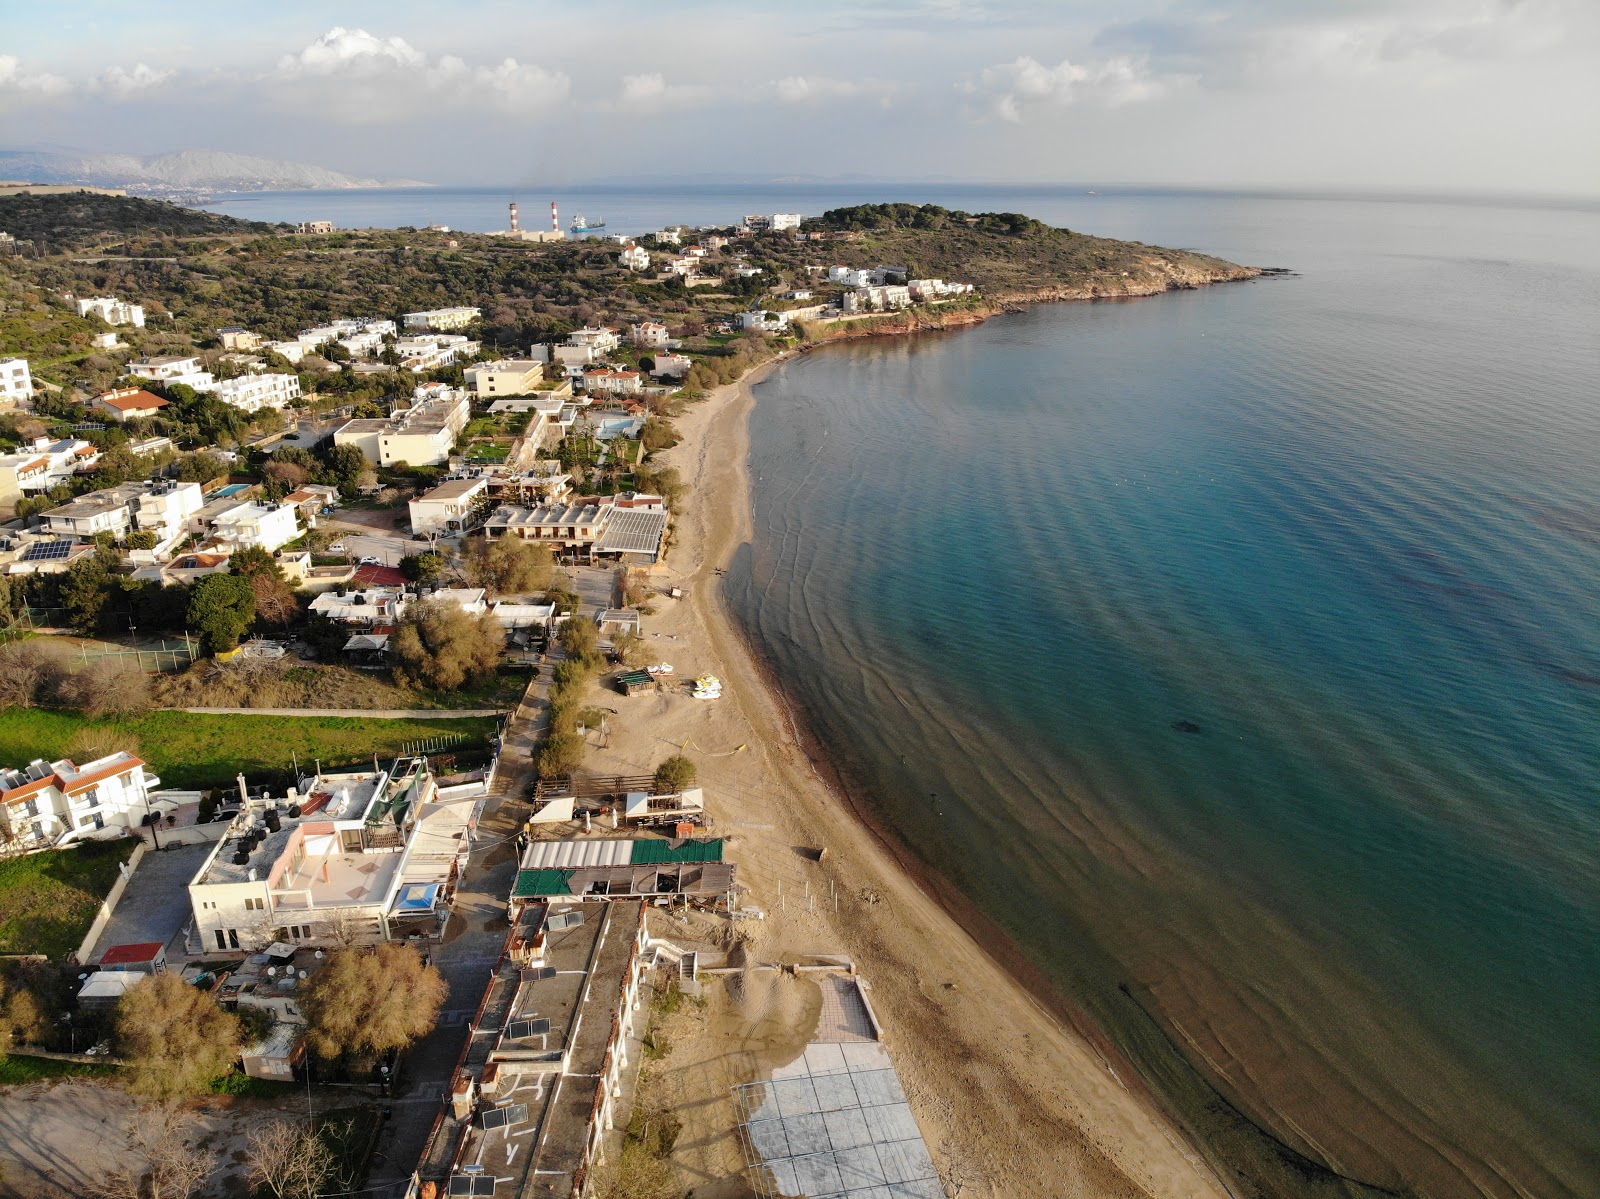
(129, 398)
(140, 951)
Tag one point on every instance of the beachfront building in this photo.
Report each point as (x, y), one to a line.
(607, 528)
(613, 382)
(48, 803)
(454, 506)
(342, 859)
(128, 403)
(16, 381)
(671, 366)
(112, 311)
(363, 608)
(441, 319)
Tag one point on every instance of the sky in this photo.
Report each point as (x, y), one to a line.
(1427, 95)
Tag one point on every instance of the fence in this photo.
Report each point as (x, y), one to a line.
(110, 903)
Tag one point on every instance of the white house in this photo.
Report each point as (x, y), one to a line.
(112, 311)
(450, 507)
(616, 382)
(634, 257)
(363, 607)
(105, 341)
(648, 335)
(471, 600)
(172, 369)
(441, 318)
(672, 366)
(600, 339)
(267, 526)
(292, 351)
(251, 393)
(570, 356)
(422, 435)
(45, 803)
(784, 220)
(16, 381)
(667, 237)
(236, 337)
(763, 321)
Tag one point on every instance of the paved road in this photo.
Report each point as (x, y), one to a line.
(471, 947)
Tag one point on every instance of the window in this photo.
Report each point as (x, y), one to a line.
(92, 799)
(222, 941)
(31, 808)
(233, 938)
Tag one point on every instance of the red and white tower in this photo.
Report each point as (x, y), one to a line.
(513, 218)
(555, 223)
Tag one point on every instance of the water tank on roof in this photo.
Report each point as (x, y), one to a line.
(274, 823)
(241, 858)
(294, 811)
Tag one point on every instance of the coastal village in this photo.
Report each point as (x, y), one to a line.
(400, 747)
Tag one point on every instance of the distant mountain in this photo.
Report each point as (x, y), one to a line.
(189, 171)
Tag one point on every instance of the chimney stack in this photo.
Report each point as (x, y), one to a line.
(513, 218)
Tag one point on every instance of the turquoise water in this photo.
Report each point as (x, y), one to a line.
(230, 489)
(1344, 528)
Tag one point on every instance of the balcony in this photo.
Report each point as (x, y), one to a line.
(151, 781)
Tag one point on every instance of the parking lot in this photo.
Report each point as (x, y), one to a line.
(155, 906)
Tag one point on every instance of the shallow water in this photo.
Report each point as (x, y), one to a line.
(1239, 652)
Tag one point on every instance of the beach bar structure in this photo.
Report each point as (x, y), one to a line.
(651, 868)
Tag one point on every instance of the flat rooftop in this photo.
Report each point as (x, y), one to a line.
(555, 1074)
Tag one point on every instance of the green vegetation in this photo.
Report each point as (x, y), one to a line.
(174, 1038)
(20, 1070)
(443, 647)
(676, 773)
(190, 750)
(56, 224)
(48, 900)
(364, 1004)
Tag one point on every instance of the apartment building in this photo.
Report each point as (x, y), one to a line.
(251, 393)
(112, 311)
(451, 507)
(505, 377)
(422, 435)
(170, 370)
(441, 319)
(266, 525)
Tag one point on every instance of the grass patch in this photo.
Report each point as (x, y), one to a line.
(194, 751)
(49, 900)
(241, 1085)
(19, 1071)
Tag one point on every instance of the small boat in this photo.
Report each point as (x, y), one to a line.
(582, 224)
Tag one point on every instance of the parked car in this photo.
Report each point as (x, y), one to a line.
(369, 560)
(338, 547)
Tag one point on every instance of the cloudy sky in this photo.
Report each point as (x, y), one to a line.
(1499, 95)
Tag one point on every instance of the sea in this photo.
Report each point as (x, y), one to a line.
(1234, 652)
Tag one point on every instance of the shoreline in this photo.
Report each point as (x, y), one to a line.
(1063, 1098)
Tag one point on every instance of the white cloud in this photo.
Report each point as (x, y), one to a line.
(123, 84)
(652, 93)
(1028, 83)
(20, 83)
(807, 89)
(366, 79)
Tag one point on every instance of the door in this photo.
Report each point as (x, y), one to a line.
(233, 938)
(222, 941)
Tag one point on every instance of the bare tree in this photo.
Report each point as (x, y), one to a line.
(288, 1160)
(28, 671)
(107, 685)
(163, 1164)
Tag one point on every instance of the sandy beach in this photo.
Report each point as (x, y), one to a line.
(1011, 1100)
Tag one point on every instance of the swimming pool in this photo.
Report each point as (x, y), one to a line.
(223, 493)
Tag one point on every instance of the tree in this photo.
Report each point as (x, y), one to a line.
(88, 588)
(289, 1161)
(346, 466)
(676, 773)
(441, 646)
(425, 567)
(580, 638)
(629, 647)
(106, 685)
(162, 1162)
(509, 565)
(368, 1003)
(274, 599)
(29, 671)
(561, 755)
(174, 1038)
(221, 608)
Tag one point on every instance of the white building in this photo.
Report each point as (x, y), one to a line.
(236, 337)
(43, 464)
(763, 321)
(16, 381)
(784, 220)
(128, 403)
(363, 607)
(427, 352)
(343, 858)
(471, 600)
(105, 341)
(161, 506)
(251, 393)
(570, 356)
(634, 257)
(505, 377)
(422, 435)
(648, 335)
(614, 381)
(267, 526)
(46, 803)
(672, 366)
(112, 311)
(172, 369)
(292, 351)
(451, 507)
(442, 318)
(667, 237)
(600, 339)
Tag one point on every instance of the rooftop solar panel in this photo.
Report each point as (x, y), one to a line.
(563, 920)
(45, 551)
(518, 1029)
(471, 1184)
(537, 974)
(503, 1117)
